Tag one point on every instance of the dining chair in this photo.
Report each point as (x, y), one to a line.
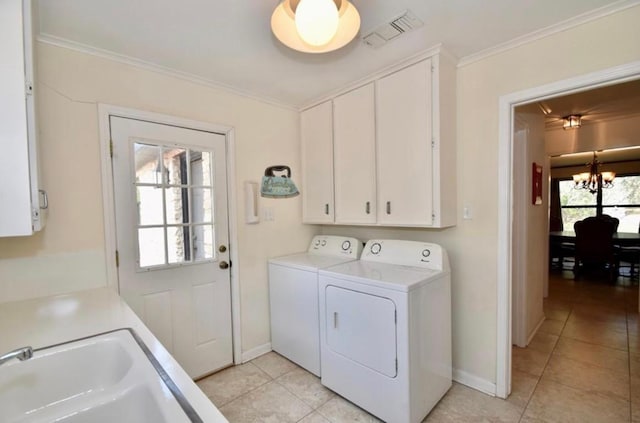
(594, 246)
(562, 251)
(630, 255)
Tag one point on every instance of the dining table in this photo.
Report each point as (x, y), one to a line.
(624, 239)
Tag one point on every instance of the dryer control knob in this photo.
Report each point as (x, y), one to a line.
(324, 242)
(426, 252)
(346, 245)
(375, 248)
(317, 243)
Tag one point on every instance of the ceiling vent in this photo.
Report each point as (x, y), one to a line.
(406, 22)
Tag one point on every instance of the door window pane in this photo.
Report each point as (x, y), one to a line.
(203, 242)
(151, 246)
(201, 168)
(178, 244)
(177, 204)
(149, 201)
(147, 163)
(175, 161)
(201, 203)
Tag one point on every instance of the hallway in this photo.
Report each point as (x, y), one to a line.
(584, 362)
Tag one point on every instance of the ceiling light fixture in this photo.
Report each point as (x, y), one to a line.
(594, 180)
(571, 122)
(315, 26)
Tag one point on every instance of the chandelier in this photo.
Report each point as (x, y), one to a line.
(594, 180)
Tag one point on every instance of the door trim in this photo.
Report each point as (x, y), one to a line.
(507, 103)
(107, 110)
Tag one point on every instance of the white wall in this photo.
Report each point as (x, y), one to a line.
(472, 244)
(69, 254)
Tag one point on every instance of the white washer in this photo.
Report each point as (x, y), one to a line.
(385, 329)
(293, 297)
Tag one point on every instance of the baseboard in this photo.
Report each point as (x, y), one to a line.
(535, 330)
(475, 382)
(256, 352)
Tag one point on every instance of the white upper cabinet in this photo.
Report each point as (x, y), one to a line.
(394, 154)
(316, 128)
(20, 213)
(405, 166)
(355, 156)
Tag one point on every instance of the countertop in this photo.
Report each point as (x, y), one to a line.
(45, 321)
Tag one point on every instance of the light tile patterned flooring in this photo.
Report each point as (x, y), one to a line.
(582, 366)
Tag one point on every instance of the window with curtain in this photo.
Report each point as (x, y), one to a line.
(621, 201)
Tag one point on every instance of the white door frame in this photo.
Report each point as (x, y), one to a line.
(507, 103)
(106, 110)
(520, 236)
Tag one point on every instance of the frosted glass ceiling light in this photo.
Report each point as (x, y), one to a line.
(315, 26)
(316, 21)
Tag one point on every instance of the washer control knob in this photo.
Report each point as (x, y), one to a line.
(426, 252)
(324, 242)
(317, 243)
(375, 248)
(346, 245)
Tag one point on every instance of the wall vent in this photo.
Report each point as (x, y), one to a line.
(397, 26)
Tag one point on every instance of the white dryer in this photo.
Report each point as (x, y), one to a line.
(293, 297)
(385, 329)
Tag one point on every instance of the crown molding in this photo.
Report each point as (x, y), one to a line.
(550, 30)
(153, 67)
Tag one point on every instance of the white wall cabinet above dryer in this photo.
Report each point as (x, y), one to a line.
(21, 212)
(393, 150)
(415, 138)
(355, 156)
(405, 160)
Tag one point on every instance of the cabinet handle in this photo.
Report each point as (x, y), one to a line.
(388, 207)
(326, 209)
(368, 207)
(335, 320)
(45, 199)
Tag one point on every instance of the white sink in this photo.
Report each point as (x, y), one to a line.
(105, 378)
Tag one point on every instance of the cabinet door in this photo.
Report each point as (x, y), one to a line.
(404, 150)
(354, 153)
(19, 213)
(317, 164)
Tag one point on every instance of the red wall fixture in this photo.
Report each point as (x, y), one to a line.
(536, 184)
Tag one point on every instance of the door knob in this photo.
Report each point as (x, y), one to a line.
(224, 265)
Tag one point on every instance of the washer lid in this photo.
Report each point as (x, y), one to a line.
(309, 262)
(383, 275)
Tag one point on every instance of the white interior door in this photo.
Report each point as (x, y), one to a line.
(170, 190)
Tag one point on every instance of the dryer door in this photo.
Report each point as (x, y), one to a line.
(362, 327)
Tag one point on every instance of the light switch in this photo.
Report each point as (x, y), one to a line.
(466, 213)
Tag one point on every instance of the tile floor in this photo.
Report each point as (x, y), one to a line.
(583, 365)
